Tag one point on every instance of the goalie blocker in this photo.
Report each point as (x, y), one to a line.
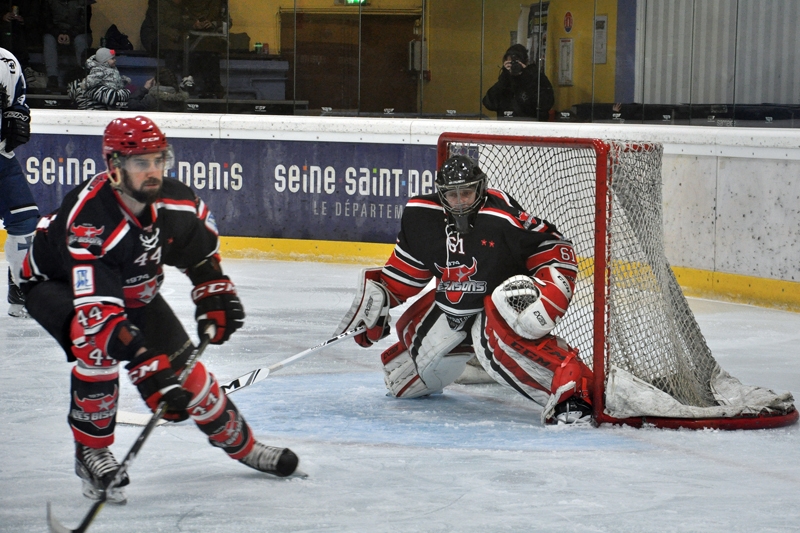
(370, 309)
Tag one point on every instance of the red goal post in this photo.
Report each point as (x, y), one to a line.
(628, 317)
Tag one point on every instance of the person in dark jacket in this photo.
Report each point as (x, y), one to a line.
(66, 23)
(515, 94)
(21, 28)
(167, 23)
(162, 93)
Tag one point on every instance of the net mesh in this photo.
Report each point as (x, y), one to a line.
(650, 330)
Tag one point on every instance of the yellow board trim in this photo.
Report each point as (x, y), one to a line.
(695, 283)
(363, 253)
(737, 288)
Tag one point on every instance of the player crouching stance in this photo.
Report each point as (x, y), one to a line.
(503, 281)
(93, 276)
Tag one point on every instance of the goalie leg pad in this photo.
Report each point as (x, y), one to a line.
(439, 356)
(547, 370)
(429, 356)
(400, 373)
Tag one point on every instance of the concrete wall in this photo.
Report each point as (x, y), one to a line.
(731, 196)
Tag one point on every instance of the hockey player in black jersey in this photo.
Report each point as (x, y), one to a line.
(93, 276)
(503, 280)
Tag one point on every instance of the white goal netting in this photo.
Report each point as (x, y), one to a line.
(628, 318)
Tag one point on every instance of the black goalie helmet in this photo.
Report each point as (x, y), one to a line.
(457, 177)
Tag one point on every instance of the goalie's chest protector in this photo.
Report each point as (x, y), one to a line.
(503, 242)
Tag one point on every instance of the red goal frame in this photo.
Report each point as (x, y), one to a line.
(601, 244)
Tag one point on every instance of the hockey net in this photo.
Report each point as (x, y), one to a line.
(628, 317)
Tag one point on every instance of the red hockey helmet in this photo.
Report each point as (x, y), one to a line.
(130, 136)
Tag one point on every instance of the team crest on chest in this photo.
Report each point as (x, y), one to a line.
(456, 280)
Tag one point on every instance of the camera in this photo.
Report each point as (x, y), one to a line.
(516, 65)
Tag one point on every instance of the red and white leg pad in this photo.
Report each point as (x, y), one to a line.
(400, 373)
(547, 370)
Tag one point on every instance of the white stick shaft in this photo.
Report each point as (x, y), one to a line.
(260, 374)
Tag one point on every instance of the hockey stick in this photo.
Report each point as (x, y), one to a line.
(260, 374)
(58, 527)
(254, 376)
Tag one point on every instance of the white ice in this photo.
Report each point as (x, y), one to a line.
(474, 459)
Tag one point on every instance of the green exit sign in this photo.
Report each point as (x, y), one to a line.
(355, 2)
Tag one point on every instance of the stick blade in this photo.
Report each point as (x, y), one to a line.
(53, 523)
(129, 418)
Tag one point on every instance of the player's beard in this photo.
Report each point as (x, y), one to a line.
(147, 196)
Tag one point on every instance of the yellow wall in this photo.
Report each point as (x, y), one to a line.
(453, 29)
(453, 32)
(258, 18)
(583, 12)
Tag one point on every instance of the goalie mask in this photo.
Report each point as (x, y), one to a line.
(461, 185)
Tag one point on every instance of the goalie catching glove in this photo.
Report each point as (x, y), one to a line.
(217, 303)
(370, 308)
(156, 381)
(533, 306)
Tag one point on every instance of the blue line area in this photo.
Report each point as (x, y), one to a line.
(354, 408)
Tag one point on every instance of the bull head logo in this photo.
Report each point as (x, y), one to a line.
(86, 231)
(453, 276)
(99, 411)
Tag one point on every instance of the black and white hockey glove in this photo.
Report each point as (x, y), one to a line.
(370, 308)
(156, 381)
(16, 127)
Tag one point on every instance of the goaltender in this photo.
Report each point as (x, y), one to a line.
(504, 279)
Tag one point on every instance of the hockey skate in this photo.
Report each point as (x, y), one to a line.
(96, 467)
(16, 300)
(571, 411)
(279, 462)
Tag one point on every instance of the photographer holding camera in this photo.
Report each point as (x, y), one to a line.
(515, 94)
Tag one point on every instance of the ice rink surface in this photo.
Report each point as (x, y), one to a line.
(474, 459)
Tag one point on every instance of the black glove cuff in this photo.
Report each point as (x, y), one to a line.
(125, 341)
(206, 270)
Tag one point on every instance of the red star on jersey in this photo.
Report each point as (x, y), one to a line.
(483, 242)
(491, 244)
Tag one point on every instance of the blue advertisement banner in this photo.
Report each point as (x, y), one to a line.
(277, 189)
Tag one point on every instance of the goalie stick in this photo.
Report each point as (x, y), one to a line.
(254, 376)
(58, 527)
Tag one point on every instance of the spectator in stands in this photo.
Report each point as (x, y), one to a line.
(168, 22)
(162, 93)
(66, 24)
(515, 94)
(105, 87)
(21, 28)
